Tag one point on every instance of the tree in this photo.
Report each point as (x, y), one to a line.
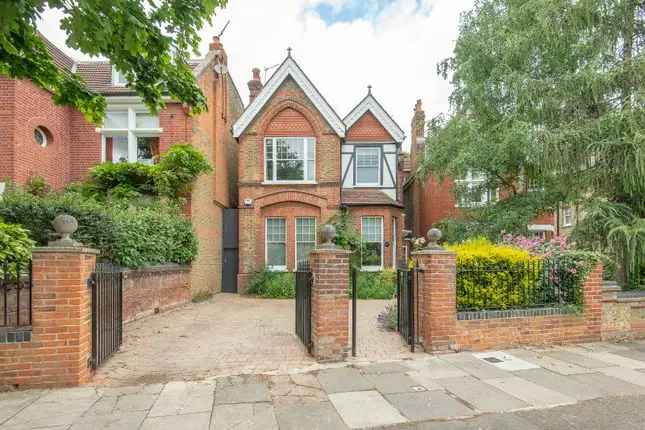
(553, 91)
(150, 42)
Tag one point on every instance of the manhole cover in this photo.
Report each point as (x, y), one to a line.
(493, 360)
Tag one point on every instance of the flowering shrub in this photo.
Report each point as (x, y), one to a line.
(387, 318)
(538, 246)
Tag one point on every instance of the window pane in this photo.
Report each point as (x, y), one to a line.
(119, 149)
(371, 229)
(276, 255)
(311, 170)
(145, 120)
(305, 240)
(147, 148)
(311, 149)
(290, 149)
(368, 162)
(290, 170)
(371, 254)
(367, 175)
(275, 230)
(303, 250)
(276, 243)
(118, 119)
(268, 157)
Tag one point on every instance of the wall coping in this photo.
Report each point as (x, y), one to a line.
(433, 252)
(516, 313)
(65, 250)
(158, 268)
(330, 250)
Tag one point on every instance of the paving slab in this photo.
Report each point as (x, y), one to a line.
(243, 393)
(481, 422)
(184, 398)
(361, 409)
(505, 361)
(318, 416)
(344, 379)
(629, 375)
(570, 355)
(602, 346)
(429, 405)
(425, 379)
(617, 360)
(13, 402)
(480, 395)
(608, 385)
(136, 389)
(474, 366)
(435, 368)
(135, 402)
(529, 392)
(389, 367)
(632, 353)
(389, 383)
(554, 365)
(42, 414)
(563, 384)
(128, 420)
(244, 416)
(183, 422)
(70, 395)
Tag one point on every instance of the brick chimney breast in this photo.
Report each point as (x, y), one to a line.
(255, 85)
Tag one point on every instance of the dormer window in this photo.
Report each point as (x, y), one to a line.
(118, 78)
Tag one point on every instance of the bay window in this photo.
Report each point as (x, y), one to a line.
(368, 166)
(290, 159)
(372, 241)
(276, 244)
(305, 240)
(130, 134)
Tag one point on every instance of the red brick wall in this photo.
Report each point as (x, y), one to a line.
(152, 289)
(85, 148)
(542, 330)
(176, 124)
(59, 352)
(368, 128)
(7, 127)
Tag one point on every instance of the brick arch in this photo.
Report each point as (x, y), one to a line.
(291, 196)
(49, 126)
(290, 118)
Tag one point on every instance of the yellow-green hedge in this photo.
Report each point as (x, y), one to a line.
(493, 276)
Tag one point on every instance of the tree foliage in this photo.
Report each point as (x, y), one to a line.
(552, 91)
(150, 42)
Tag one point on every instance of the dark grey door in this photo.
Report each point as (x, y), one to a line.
(230, 251)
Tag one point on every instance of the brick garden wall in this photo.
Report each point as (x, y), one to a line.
(623, 314)
(153, 289)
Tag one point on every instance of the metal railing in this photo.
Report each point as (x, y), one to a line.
(107, 311)
(15, 292)
(406, 305)
(534, 284)
(304, 281)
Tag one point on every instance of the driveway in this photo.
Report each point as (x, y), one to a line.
(230, 335)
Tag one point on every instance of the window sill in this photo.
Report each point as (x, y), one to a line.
(277, 268)
(367, 185)
(371, 268)
(289, 183)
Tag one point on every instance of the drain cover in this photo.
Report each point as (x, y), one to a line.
(418, 388)
(493, 359)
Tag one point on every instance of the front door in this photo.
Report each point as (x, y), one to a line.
(230, 251)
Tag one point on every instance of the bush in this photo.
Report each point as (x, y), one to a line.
(178, 168)
(137, 178)
(493, 276)
(15, 245)
(272, 285)
(388, 318)
(130, 236)
(376, 285)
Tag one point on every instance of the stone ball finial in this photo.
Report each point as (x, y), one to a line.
(328, 233)
(65, 225)
(434, 236)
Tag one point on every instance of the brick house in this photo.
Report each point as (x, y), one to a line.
(300, 163)
(39, 138)
(429, 201)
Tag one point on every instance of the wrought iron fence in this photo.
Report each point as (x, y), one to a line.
(15, 292)
(107, 311)
(406, 305)
(304, 282)
(534, 284)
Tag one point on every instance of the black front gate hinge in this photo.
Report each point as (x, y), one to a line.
(91, 281)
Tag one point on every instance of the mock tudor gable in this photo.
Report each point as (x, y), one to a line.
(289, 68)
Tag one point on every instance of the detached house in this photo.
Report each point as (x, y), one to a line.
(300, 163)
(39, 138)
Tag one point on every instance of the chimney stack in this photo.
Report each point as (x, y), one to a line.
(215, 44)
(255, 85)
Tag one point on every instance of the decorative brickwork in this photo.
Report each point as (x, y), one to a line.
(152, 289)
(61, 341)
(329, 303)
(368, 128)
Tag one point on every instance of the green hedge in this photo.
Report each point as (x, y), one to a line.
(15, 245)
(132, 236)
(376, 285)
(272, 285)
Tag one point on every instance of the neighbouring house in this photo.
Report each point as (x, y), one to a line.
(40, 138)
(300, 163)
(431, 200)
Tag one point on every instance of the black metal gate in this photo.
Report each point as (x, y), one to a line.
(304, 281)
(107, 315)
(405, 305)
(230, 251)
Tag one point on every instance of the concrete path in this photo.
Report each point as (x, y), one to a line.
(589, 386)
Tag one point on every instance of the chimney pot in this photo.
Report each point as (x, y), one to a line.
(256, 74)
(215, 44)
(255, 84)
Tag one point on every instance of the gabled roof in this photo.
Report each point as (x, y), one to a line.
(289, 68)
(369, 103)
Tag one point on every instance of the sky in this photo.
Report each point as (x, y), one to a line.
(342, 45)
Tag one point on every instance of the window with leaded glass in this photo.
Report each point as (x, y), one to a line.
(276, 244)
(288, 159)
(368, 166)
(305, 241)
(372, 238)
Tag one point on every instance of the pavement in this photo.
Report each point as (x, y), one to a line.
(589, 386)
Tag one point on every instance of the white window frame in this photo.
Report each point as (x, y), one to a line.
(295, 230)
(379, 150)
(395, 228)
(474, 180)
(567, 213)
(266, 245)
(380, 267)
(116, 78)
(305, 169)
(41, 133)
(131, 131)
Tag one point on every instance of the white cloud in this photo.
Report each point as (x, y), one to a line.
(396, 50)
